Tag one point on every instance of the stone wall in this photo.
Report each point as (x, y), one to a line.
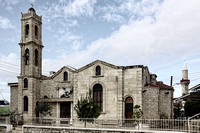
(30, 92)
(133, 84)
(48, 129)
(3, 129)
(110, 79)
(165, 103)
(13, 98)
(50, 86)
(151, 100)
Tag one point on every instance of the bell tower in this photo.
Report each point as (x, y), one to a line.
(31, 44)
(31, 62)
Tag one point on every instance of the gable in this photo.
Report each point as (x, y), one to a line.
(99, 62)
(70, 70)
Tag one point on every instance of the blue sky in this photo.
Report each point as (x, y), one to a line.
(160, 34)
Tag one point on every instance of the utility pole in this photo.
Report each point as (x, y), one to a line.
(171, 81)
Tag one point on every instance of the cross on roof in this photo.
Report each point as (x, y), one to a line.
(32, 5)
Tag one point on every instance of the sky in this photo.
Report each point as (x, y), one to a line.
(160, 34)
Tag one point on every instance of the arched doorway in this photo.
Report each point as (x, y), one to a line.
(128, 107)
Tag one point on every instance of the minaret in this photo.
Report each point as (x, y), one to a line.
(185, 81)
(31, 62)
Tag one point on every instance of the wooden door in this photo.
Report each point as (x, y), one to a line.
(65, 108)
(128, 108)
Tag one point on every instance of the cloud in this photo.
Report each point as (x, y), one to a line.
(9, 3)
(5, 23)
(32, 1)
(129, 9)
(66, 10)
(68, 36)
(77, 8)
(168, 35)
(113, 17)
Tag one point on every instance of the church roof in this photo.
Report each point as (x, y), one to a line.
(164, 86)
(109, 65)
(160, 85)
(96, 62)
(13, 84)
(59, 71)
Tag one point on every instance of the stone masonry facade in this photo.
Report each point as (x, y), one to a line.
(117, 88)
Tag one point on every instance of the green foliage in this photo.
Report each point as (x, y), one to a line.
(44, 108)
(137, 114)
(4, 110)
(191, 108)
(87, 108)
(177, 111)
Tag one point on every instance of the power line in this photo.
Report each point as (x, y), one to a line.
(8, 63)
(13, 66)
(7, 71)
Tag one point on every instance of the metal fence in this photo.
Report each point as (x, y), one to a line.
(140, 124)
(4, 120)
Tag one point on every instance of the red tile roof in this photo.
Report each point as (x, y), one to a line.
(160, 85)
(164, 86)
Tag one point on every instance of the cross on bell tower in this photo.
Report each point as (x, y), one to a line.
(32, 5)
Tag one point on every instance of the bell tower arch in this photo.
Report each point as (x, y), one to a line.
(31, 62)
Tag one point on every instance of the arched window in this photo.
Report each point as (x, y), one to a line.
(98, 95)
(27, 29)
(128, 107)
(25, 83)
(65, 76)
(36, 31)
(45, 97)
(26, 56)
(36, 57)
(25, 103)
(98, 70)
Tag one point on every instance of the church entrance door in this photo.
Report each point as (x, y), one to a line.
(65, 108)
(128, 108)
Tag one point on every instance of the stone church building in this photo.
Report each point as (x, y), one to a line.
(117, 89)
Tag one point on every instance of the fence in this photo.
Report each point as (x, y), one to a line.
(48, 129)
(4, 120)
(141, 124)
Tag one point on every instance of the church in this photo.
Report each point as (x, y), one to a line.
(117, 89)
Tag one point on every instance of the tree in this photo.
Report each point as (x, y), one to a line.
(191, 108)
(44, 108)
(87, 109)
(137, 114)
(177, 111)
(16, 118)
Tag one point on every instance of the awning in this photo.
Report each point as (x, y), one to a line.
(192, 96)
